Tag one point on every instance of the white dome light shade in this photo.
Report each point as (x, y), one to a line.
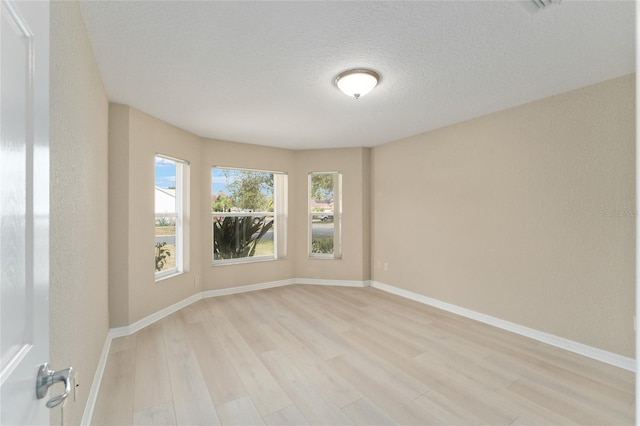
(357, 83)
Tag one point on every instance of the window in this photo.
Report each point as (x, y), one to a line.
(248, 215)
(171, 192)
(325, 215)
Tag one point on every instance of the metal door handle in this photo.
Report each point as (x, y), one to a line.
(47, 377)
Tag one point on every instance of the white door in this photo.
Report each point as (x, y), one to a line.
(24, 209)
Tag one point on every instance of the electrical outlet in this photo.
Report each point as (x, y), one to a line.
(196, 281)
(386, 266)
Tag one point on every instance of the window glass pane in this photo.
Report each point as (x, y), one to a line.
(236, 237)
(324, 214)
(322, 233)
(243, 214)
(322, 187)
(241, 190)
(166, 210)
(171, 213)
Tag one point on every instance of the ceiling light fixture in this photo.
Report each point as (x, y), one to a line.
(357, 82)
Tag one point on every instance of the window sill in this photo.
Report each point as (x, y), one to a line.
(243, 260)
(321, 257)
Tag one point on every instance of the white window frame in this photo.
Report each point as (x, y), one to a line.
(181, 218)
(337, 217)
(280, 216)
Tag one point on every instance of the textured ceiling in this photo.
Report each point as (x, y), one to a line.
(263, 72)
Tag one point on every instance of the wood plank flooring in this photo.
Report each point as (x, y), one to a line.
(320, 355)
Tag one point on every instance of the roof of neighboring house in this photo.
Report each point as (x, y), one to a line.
(322, 204)
(165, 200)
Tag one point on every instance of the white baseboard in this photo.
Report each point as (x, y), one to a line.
(247, 288)
(560, 342)
(341, 283)
(156, 316)
(95, 385)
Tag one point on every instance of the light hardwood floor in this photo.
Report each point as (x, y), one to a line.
(322, 355)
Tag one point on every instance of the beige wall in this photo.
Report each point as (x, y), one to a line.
(354, 165)
(78, 260)
(527, 215)
(134, 140)
(119, 215)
